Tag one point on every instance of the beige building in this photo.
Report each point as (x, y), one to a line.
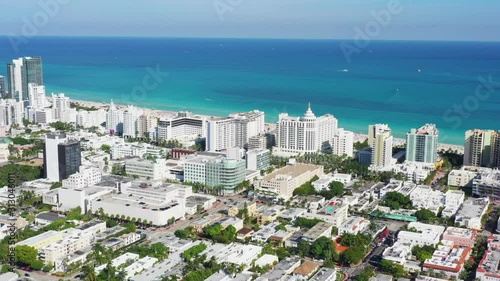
(284, 181)
(42, 240)
(251, 209)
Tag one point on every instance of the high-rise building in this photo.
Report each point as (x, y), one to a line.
(114, 120)
(22, 72)
(130, 118)
(380, 140)
(36, 96)
(61, 157)
(146, 126)
(306, 134)
(3, 89)
(258, 159)
(422, 144)
(343, 143)
(215, 172)
(182, 125)
(61, 104)
(480, 148)
(11, 112)
(235, 130)
(495, 149)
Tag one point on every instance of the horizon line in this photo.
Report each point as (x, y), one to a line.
(254, 38)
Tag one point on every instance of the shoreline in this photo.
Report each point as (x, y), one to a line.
(160, 113)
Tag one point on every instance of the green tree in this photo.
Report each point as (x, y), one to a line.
(322, 248)
(426, 216)
(423, 252)
(26, 255)
(353, 255)
(6, 268)
(394, 269)
(37, 265)
(303, 248)
(396, 201)
(305, 222)
(337, 188)
(106, 148)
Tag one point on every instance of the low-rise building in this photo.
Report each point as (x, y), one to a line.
(335, 211)
(489, 266)
(426, 234)
(116, 262)
(425, 197)
(283, 268)
(42, 240)
(231, 221)
(195, 202)
(448, 259)
(321, 229)
(139, 266)
(453, 200)
(239, 254)
(325, 274)
(155, 169)
(266, 260)
(306, 270)
(48, 218)
(154, 204)
(251, 206)
(284, 181)
(86, 176)
(487, 184)
(461, 178)
(471, 212)
(398, 253)
(460, 236)
(354, 225)
(266, 214)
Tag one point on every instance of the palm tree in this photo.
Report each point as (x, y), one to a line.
(122, 275)
(89, 273)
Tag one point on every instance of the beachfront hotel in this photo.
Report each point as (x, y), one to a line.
(183, 125)
(482, 148)
(235, 130)
(380, 140)
(306, 134)
(343, 143)
(422, 143)
(114, 119)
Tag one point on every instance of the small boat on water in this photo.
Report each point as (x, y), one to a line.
(343, 70)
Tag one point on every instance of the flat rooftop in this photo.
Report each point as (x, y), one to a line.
(291, 171)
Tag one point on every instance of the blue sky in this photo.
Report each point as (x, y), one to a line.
(336, 19)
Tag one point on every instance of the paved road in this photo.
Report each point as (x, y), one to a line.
(40, 276)
(153, 235)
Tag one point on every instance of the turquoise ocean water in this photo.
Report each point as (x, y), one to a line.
(382, 83)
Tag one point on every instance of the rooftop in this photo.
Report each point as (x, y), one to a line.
(50, 216)
(316, 231)
(306, 269)
(290, 171)
(324, 274)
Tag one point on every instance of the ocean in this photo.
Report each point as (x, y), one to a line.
(402, 83)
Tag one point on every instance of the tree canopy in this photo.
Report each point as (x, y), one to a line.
(396, 201)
